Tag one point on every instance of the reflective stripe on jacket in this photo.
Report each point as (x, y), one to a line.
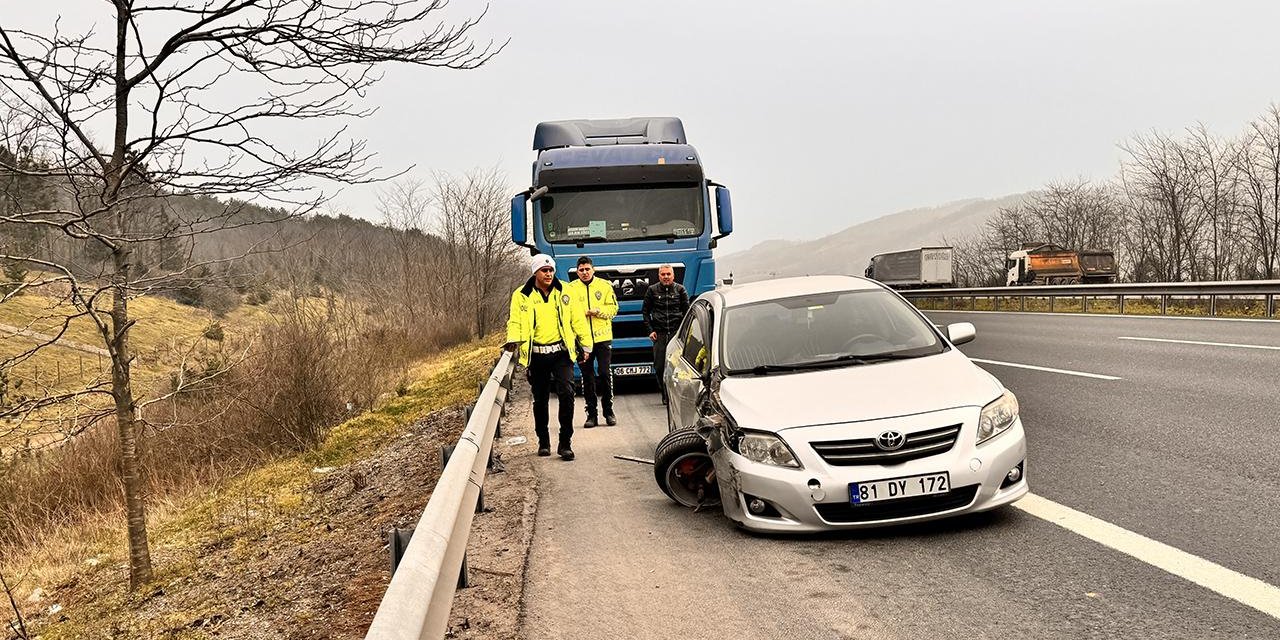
(597, 295)
(573, 325)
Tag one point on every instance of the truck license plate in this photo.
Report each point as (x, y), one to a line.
(895, 488)
(634, 370)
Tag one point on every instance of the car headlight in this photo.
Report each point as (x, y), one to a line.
(997, 417)
(764, 448)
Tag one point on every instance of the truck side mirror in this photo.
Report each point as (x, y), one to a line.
(518, 216)
(724, 211)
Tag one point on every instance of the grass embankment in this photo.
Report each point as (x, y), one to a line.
(1226, 307)
(236, 556)
(166, 336)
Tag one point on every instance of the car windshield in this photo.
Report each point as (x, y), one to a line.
(615, 213)
(830, 329)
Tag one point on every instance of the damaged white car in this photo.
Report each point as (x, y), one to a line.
(829, 402)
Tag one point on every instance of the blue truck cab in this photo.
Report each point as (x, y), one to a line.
(630, 193)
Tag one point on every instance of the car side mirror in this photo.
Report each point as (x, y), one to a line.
(961, 332)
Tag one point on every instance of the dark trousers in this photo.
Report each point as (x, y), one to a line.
(547, 372)
(660, 360)
(601, 356)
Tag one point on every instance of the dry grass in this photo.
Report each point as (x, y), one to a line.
(166, 337)
(1226, 306)
(228, 517)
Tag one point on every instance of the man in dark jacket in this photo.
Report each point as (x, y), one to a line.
(665, 304)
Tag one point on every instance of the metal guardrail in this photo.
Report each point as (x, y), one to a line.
(416, 605)
(1266, 290)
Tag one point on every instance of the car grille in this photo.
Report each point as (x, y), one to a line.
(631, 284)
(921, 444)
(847, 512)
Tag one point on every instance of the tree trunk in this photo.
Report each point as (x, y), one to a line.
(126, 423)
(122, 358)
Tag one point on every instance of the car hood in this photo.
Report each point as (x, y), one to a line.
(851, 394)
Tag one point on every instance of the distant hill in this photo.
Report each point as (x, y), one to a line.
(849, 251)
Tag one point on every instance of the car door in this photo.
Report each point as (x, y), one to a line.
(688, 357)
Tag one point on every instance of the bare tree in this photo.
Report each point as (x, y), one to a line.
(473, 217)
(1215, 190)
(1160, 185)
(156, 84)
(405, 208)
(1258, 166)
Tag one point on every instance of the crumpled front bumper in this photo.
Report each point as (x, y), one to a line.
(977, 473)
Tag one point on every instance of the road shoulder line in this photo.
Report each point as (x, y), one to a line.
(1246, 590)
(1082, 374)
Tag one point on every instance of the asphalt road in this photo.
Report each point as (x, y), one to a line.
(1181, 448)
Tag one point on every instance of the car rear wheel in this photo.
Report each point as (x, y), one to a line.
(684, 470)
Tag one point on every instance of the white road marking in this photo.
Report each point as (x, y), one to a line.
(1211, 344)
(1248, 591)
(1082, 374)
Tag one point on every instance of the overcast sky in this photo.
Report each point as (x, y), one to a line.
(819, 115)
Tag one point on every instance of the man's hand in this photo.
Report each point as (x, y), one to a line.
(511, 346)
(586, 353)
(592, 313)
(653, 335)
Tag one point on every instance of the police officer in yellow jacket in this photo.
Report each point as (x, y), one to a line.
(550, 333)
(596, 301)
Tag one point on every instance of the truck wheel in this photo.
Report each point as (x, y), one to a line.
(684, 470)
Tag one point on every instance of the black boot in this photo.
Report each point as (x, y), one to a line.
(565, 452)
(591, 421)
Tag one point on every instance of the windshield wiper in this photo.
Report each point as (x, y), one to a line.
(851, 360)
(765, 369)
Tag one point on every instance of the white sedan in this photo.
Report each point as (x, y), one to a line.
(829, 402)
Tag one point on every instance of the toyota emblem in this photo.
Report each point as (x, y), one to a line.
(890, 441)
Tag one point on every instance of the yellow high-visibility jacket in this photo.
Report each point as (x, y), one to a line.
(597, 296)
(573, 325)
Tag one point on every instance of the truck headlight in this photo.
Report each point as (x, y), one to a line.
(764, 448)
(997, 417)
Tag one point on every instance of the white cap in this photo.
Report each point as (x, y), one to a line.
(540, 261)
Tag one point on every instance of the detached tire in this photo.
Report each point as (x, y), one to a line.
(684, 470)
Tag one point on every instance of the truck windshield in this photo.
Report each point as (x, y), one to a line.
(610, 214)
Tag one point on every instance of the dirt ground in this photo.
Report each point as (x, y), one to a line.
(500, 537)
(321, 571)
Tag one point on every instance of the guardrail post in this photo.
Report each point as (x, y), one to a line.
(1271, 305)
(397, 542)
(1084, 304)
(973, 303)
(1120, 302)
(1022, 303)
(1051, 298)
(1213, 305)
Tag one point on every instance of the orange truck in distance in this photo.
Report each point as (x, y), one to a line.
(1043, 263)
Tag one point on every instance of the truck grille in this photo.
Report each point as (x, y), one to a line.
(847, 512)
(629, 329)
(921, 444)
(631, 284)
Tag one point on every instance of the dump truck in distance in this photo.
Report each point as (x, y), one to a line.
(1044, 263)
(1098, 266)
(914, 268)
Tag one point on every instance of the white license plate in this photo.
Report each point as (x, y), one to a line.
(634, 370)
(895, 488)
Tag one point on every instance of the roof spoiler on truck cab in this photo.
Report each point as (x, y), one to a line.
(591, 133)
